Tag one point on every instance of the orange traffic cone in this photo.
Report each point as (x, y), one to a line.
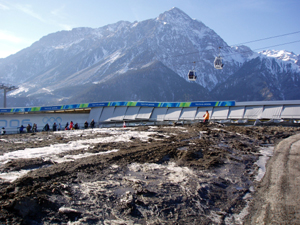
(124, 124)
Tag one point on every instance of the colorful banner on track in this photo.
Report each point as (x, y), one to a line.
(106, 104)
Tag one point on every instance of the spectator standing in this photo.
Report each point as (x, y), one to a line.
(92, 124)
(54, 127)
(59, 127)
(34, 128)
(86, 125)
(3, 131)
(28, 128)
(71, 125)
(21, 128)
(206, 116)
(46, 127)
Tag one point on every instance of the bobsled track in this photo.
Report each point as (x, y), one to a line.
(108, 114)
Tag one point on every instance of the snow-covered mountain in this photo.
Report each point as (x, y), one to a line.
(282, 55)
(273, 75)
(84, 63)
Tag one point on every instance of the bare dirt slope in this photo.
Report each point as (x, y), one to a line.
(196, 174)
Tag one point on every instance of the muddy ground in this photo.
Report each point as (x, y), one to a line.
(192, 174)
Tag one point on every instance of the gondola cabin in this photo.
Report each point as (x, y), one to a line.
(192, 75)
(218, 63)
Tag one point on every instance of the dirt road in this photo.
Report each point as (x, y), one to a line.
(278, 198)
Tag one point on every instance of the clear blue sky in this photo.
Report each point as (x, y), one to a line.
(22, 22)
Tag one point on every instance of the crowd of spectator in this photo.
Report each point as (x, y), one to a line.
(55, 127)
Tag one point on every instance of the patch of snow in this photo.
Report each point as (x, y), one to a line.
(173, 173)
(67, 210)
(147, 65)
(64, 98)
(51, 152)
(44, 90)
(266, 152)
(67, 45)
(12, 176)
(59, 47)
(68, 158)
(19, 90)
(124, 69)
(135, 24)
(281, 54)
(238, 218)
(113, 57)
(283, 58)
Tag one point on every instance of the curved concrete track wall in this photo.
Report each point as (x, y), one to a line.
(109, 112)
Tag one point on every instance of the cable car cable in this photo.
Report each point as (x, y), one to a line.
(262, 39)
(263, 48)
(247, 51)
(230, 46)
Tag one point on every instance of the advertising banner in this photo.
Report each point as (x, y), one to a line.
(123, 103)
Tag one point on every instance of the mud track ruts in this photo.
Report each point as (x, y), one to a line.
(179, 179)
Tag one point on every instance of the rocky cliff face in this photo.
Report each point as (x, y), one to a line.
(63, 66)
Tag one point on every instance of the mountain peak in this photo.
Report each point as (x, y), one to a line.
(176, 10)
(173, 15)
(281, 54)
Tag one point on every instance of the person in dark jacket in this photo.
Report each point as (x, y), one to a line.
(28, 128)
(86, 125)
(46, 127)
(54, 127)
(92, 124)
